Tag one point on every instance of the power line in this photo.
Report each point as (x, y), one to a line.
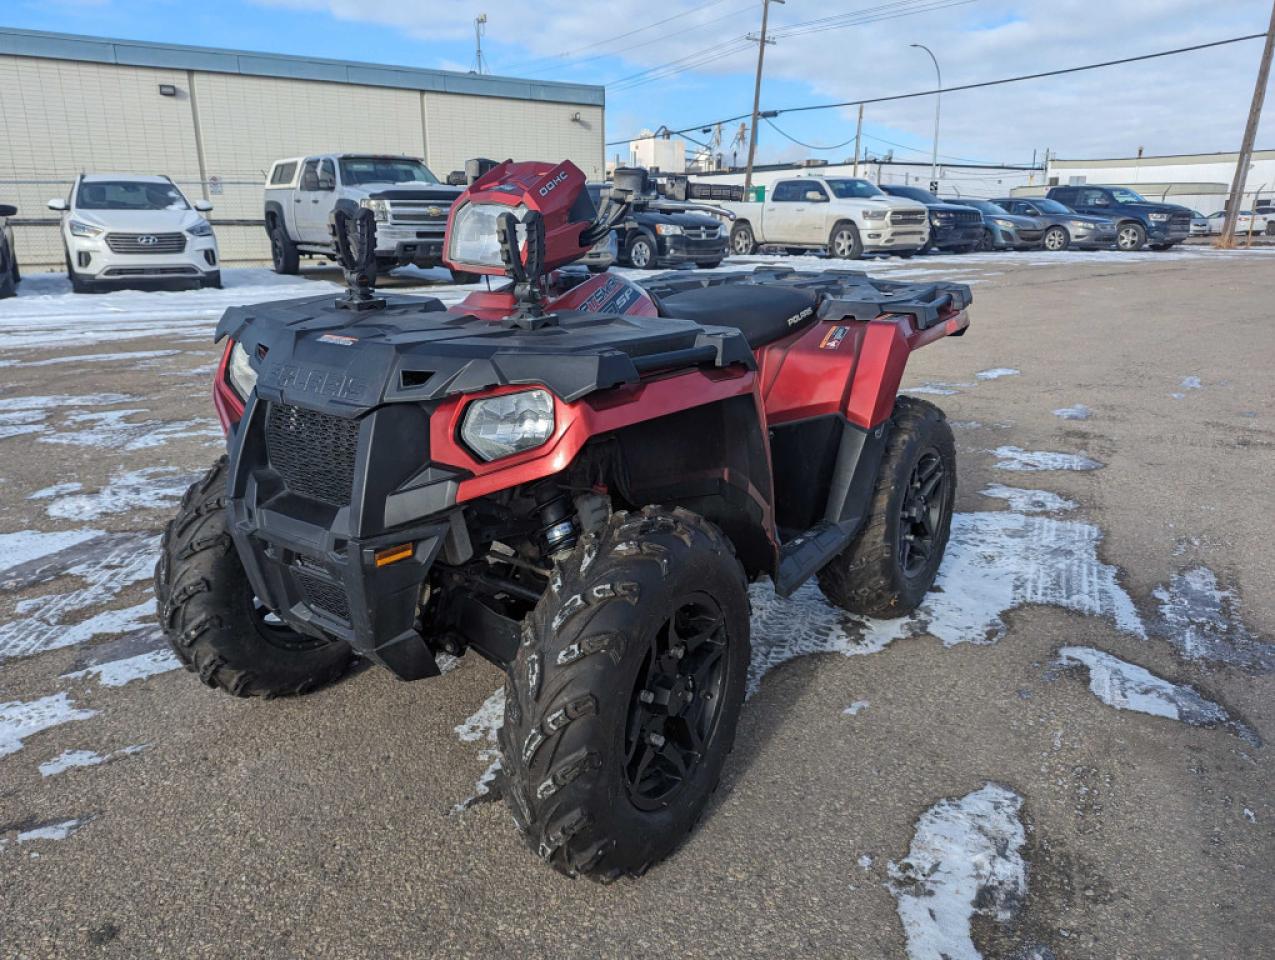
(887, 11)
(956, 89)
(808, 146)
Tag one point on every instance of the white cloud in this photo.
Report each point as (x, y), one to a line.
(1192, 102)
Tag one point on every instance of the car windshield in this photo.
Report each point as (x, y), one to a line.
(1124, 195)
(913, 193)
(986, 206)
(129, 195)
(853, 189)
(356, 171)
(1045, 205)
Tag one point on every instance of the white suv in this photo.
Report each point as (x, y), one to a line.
(121, 229)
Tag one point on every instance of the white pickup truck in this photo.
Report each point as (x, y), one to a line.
(847, 216)
(409, 202)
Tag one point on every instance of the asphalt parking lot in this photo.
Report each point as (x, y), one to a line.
(1063, 754)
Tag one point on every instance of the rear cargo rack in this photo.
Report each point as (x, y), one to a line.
(843, 294)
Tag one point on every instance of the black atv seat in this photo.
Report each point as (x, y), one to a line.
(762, 314)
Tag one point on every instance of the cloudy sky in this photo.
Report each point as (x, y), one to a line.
(686, 62)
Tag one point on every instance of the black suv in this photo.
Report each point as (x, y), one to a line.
(9, 276)
(658, 234)
(952, 226)
(1138, 221)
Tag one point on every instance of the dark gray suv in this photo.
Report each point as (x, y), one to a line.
(1139, 221)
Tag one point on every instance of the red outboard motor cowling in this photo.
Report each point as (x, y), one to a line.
(554, 190)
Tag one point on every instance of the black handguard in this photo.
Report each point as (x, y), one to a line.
(353, 231)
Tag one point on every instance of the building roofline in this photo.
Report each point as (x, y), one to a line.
(140, 53)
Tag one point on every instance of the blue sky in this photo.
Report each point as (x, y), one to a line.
(1188, 104)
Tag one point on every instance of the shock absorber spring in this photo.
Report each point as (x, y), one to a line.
(557, 525)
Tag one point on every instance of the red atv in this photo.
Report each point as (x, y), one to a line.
(575, 477)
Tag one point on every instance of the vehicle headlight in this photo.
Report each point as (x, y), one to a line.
(875, 214)
(1157, 217)
(941, 215)
(502, 426)
(380, 208)
(79, 229)
(473, 238)
(667, 229)
(201, 229)
(1004, 224)
(240, 373)
(1079, 224)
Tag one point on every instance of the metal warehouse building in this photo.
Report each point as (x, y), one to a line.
(214, 121)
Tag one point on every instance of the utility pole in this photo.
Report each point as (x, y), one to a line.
(858, 135)
(480, 27)
(761, 57)
(1227, 240)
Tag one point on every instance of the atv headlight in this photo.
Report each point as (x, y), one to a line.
(667, 229)
(84, 229)
(240, 373)
(501, 426)
(380, 208)
(474, 239)
(201, 229)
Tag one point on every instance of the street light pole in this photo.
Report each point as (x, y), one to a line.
(938, 102)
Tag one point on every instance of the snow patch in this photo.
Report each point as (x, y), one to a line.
(51, 831)
(482, 727)
(57, 490)
(1077, 412)
(20, 719)
(92, 358)
(1029, 501)
(114, 430)
(150, 488)
(932, 389)
(84, 758)
(106, 565)
(1031, 461)
(996, 373)
(27, 546)
(1192, 383)
(1127, 686)
(855, 708)
(965, 860)
(1202, 619)
(117, 673)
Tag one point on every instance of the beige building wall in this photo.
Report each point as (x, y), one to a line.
(460, 127)
(218, 137)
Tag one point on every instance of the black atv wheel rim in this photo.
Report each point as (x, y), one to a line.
(677, 699)
(272, 629)
(921, 513)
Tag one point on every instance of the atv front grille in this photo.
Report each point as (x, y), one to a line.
(146, 242)
(314, 452)
(322, 595)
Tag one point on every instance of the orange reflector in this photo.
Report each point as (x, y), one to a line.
(394, 554)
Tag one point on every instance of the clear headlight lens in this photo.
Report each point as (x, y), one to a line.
(380, 208)
(1006, 224)
(1157, 217)
(79, 229)
(201, 229)
(474, 239)
(1078, 224)
(240, 373)
(501, 426)
(667, 229)
(874, 214)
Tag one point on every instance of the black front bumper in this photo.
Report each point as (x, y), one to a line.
(949, 236)
(311, 558)
(682, 249)
(419, 253)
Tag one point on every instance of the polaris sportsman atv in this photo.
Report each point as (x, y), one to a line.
(571, 475)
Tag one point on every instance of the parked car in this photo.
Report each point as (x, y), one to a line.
(1246, 221)
(1001, 229)
(847, 216)
(606, 251)
(660, 233)
(409, 202)
(1138, 221)
(124, 229)
(952, 227)
(1200, 226)
(9, 275)
(1064, 227)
